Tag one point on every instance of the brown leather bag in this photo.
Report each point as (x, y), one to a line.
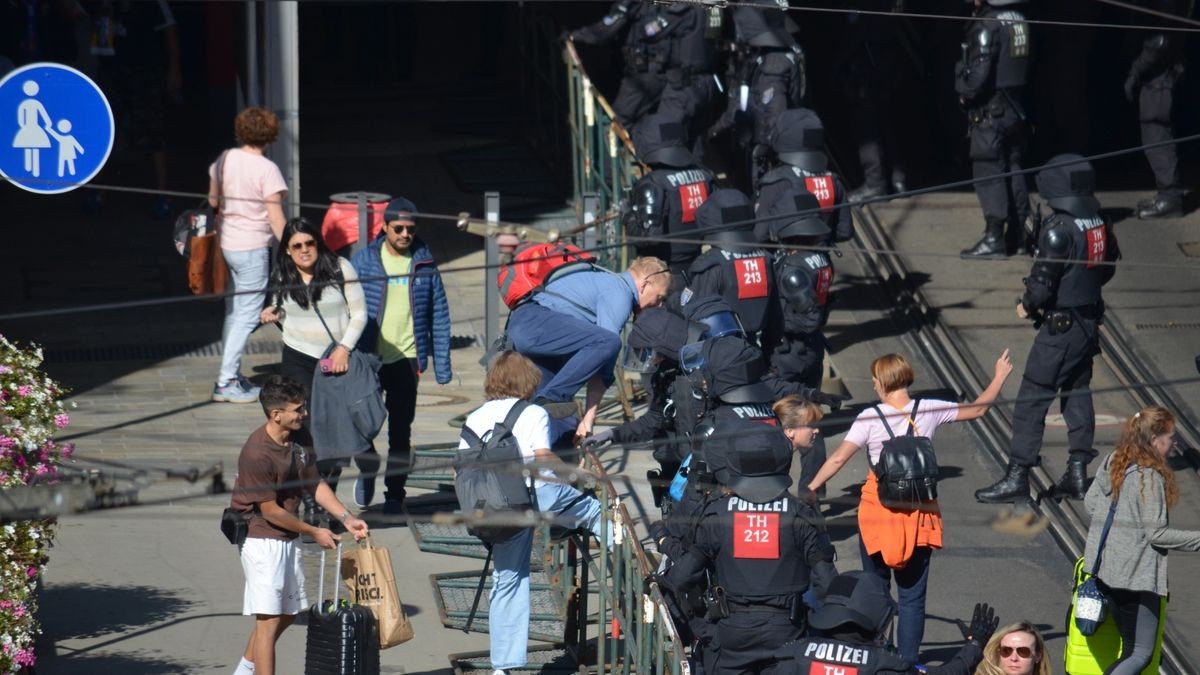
(207, 272)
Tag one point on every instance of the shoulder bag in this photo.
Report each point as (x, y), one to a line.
(1091, 603)
(201, 244)
(907, 469)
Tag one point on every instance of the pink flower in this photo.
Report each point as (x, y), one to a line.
(68, 449)
(5, 369)
(61, 420)
(31, 572)
(24, 390)
(6, 442)
(19, 611)
(5, 604)
(25, 657)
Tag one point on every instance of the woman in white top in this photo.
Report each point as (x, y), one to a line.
(313, 284)
(894, 542)
(250, 198)
(512, 377)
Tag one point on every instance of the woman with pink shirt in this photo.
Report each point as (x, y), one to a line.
(250, 198)
(899, 543)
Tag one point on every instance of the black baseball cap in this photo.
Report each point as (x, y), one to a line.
(399, 209)
(758, 458)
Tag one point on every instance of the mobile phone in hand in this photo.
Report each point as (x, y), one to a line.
(326, 366)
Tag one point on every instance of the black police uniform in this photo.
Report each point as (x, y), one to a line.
(1152, 77)
(990, 82)
(668, 59)
(1062, 295)
(798, 140)
(734, 268)
(666, 200)
(854, 617)
(764, 548)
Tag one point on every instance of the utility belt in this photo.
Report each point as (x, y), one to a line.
(1059, 321)
(719, 606)
(1001, 102)
(642, 61)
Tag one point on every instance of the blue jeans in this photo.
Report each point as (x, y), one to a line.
(911, 582)
(508, 604)
(248, 270)
(569, 351)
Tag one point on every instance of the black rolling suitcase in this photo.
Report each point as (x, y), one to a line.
(343, 639)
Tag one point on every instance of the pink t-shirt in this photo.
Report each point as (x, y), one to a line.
(867, 430)
(253, 178)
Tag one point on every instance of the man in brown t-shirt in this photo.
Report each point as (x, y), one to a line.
(274, 471)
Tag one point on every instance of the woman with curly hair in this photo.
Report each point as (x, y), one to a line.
(1016, 649)
(1133, 564)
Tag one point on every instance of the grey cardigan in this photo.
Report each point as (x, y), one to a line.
(1135, 555)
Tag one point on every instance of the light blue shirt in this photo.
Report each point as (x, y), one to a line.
(608, 297)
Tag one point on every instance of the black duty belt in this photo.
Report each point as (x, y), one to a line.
(1089, 312)
(735, 608)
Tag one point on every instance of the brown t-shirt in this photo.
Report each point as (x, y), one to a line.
(262, 466)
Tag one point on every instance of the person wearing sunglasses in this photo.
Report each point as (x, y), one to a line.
(1016, 649)
(408, 323)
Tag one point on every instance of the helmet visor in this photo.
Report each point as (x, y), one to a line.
(722, 324)
(641, 360)
(691, 357)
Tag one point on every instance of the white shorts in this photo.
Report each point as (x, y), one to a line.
(274, 577)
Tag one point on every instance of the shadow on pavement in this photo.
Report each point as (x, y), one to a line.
(111, 609)
(103, 664)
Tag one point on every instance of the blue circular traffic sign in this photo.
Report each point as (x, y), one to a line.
(56, 128)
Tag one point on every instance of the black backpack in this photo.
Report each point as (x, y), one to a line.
(490, 477)
(907, 470)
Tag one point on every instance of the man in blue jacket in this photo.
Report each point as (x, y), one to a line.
(401, 282)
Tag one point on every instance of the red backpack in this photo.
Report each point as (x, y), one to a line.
(535, 265)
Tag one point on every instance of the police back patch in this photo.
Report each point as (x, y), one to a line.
(1018, 33)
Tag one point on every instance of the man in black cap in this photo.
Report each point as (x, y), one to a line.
(990, 81)
(666, 199)
(799, 143)
(1075, 251)
(854, 620)
(734, 268)
(763, 547)
(668, 58)
(1152, 79)
(770, 77)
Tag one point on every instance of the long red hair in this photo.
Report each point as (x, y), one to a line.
(1135, 448)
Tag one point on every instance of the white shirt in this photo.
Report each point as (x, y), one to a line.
(532, 429)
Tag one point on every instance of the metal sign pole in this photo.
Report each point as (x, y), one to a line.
(491, 297)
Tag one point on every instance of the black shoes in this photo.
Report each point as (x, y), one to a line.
(1073, 484)
(990, 246)
(1160, 207)
(1012, 487)
(865, 192)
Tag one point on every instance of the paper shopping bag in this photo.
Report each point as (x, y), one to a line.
(367, 573)
(206, 266)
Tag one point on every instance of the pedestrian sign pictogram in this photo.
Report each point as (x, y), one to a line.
(56, 128)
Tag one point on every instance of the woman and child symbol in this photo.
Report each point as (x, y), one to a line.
(32, 138)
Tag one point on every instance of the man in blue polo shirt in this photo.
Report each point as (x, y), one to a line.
(572, 331)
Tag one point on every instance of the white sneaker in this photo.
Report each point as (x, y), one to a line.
(499, 672)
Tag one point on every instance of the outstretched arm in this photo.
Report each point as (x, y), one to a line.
(976, 409)
(833, 465)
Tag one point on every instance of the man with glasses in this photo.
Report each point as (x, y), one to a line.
(408, 320)
(274, 472)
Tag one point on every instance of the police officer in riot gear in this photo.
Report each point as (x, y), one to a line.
(763, 546)
(1152, 79)
(854, 621)
(668, 58)
(798, 141)
(1076, 249)
(990, 81)
(734, 268)
(665, 201)
(768, 76)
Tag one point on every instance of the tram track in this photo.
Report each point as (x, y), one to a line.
(957, 369)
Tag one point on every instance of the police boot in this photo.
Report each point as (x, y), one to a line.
(991, 245)
(1073, 484)
(865, 192)
(1014, 486)
(1162, 206)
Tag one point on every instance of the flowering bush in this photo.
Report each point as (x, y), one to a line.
(30, 413)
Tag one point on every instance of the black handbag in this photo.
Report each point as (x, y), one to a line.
(235, 525)
(907, 470)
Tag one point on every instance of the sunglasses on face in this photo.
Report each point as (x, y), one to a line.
(401, 229)
(1023, 652)
(301, 245)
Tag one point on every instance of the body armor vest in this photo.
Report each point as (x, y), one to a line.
(759, 561)
(826, 655)
(745, 281)
(805, 279)
(665, 203)
(1088, 238)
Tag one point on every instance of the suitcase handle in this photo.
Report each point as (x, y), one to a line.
(321, 580)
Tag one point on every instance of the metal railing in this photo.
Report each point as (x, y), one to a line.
(633, 631)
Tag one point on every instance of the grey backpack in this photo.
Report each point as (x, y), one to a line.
(490, 476)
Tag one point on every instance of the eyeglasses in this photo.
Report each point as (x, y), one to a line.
(401, 229)
(301, 245)
(1023, 652)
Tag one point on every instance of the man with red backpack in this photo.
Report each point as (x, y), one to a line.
(571, 328)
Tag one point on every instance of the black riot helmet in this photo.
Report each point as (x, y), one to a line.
(757, 457)
(727, 218)
(1069, 184)
(794, 287)
(657, 335)
(798, 138)
(662, 139)
(764, 23)
(712, 317)
(793, 213)
(732, 369)
(856, 598)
